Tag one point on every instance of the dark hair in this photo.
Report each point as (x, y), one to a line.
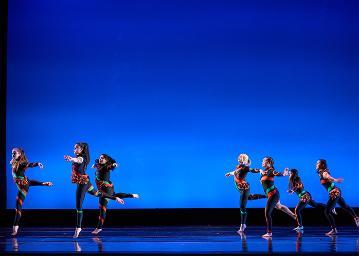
(324, 163)
(270, 160)
(85, 152)
(23, 159)
(110, 160)
(293, 178)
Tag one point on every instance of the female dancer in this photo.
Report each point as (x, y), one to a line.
(335, 195)
(242, 185)
(270, 190)
(79, 177)
(19, 164)
(305, 198)
(104, 165)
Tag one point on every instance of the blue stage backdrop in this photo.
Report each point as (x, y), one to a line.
(175, 90)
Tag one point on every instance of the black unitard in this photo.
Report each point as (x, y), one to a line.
(305, 198)
(84, 185)
(104, 185)
(22, 184)
(335, 196)
(243, 187)
(267, 180)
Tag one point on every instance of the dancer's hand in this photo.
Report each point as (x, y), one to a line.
(136, 195)
(286, 171)
(339, 180)
(119, 200)
(227, 174)
(41, 166)
(67, 158)
(115, 165)
(262, 172)
(48, 183)
(93, 166)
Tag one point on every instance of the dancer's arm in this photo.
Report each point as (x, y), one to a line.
(35, 164)
(112, 167)
(96, 165)
(232, 173)
(125, 195)
(78, 160)
(254, 170)
(327, 176)
(281, 174)
(297, 185)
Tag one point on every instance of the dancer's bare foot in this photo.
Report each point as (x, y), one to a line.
(77, 232)
(299, 228)
(266, 235)
(14, 230)
(242, 228)
(96, 231)
(356, 219)
(332, 232)
(119, 200)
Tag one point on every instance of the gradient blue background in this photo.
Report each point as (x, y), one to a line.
(175, 90)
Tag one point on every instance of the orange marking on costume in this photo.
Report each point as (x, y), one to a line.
(103, 208)
(24, 191)
(19, 200)
(271, 193)
(267, 178)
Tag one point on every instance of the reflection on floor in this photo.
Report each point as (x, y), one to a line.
(184, 240)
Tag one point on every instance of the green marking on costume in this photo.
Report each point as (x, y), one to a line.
(235, 183)
(302, 193)
(90, 188)
(78, 211)
(331, 187)
(22, 192)
(104, 182)
(270, 189)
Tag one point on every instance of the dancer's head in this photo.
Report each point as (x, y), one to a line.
(293, 176)
(106, 159)
(293, 172)
(18, 157)
(244, 159)
(321, 164)
(268, 162)
(82, 149)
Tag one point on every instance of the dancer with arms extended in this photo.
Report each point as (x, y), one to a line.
(19, 165)
(335, 196)
(104, 165)
(79, 177)
(242, 185)
(267, 180)
(296, 186)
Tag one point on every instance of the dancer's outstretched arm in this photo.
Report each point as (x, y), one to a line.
(327, 176)
(78, 159)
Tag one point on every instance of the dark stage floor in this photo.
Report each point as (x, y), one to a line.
(184, 240)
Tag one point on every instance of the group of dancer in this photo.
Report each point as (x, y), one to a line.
(105, 188)
(295, 186)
